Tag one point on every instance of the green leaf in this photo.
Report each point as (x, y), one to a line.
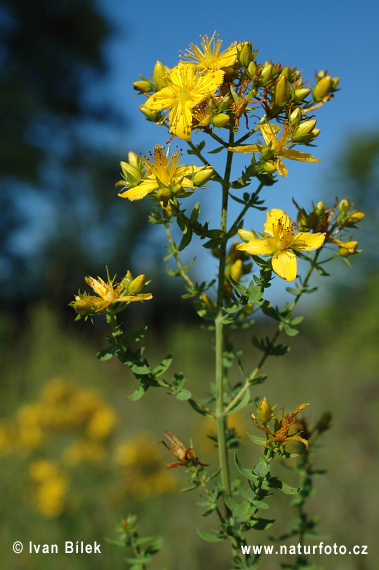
(137, 394)
(163, 366)
(262, 468)
(186, 239)
(106, 353)
(242, 403)
(260, 504)
(256, 439)
(183, 395)
(248, 473)
(216, 150)
(262, 524)
(208, 536)
(276, 483)
(204, 411)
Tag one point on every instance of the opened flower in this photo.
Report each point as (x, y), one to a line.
(277, 240)
(274, 149)
(185, 89)
(125, 292)
(210, 56)
(164, 174)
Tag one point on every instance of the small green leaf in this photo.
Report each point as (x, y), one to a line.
(208, 536)
(276, 483)
(256, 439)
(183, 395)
(262, 524)
(248, 473)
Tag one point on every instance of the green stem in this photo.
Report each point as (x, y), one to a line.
(219, 333)
(174, 250)
(256, 371)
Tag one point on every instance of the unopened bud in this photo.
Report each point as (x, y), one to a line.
(270, 166)
(267, 73)
(295, 117)
(221, 120)
(130, 173)
(302, 131)
(347, 248)
(159, 73)
(344, 205)
(236, 271)
(137, 285)
(301, 93)
(245, 235)
(208, 301)
(251, 69)
(264, 411)
(245, 53)
(282, 91)
(203, 176)
(134, 159)
(154, 116)
(354, 218)
(323, 88)
(143, 86)
(319, 209)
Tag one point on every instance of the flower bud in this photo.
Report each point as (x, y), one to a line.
(286, 72)
(344, 205)
(202, 176)
(301, 93)
(84, 306)
(159, 73)
(236, 271)
(154, 116)
(251, 69)
(354, 218)
(134, 159)
(282, 91)
(270, 166)
(302, 131)
(245, 235)
(264, 411)
(267, 73)
(319, 209)
(295, 117)
(347, 248)
(323, 88)
(208, 301)
(130, 173)
(137, 285)
(221, 120)
(143, 86)
(302, 220)
(245, 54)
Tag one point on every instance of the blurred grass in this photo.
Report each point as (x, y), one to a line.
(333, 365)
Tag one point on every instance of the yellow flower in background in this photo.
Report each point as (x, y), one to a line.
(210, 56)
(83, 451)
(164, 174)
(278, 239)
(110, 294)
(50, 486)
(185, 89)
(274, 149)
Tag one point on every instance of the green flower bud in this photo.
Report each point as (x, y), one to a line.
(267, 73)
(302, 131)
(323, 88)
(354, 218)
(301, 93)
(143, 86)
(154, 116)
(319, 209)
(130, 173)
(348, 248)
(245, 54)
(221, 120)
(203, 176)
(159, 73)
(286, 72)
(270, 166)
(267, 153)
(264, 411)
(251, 68)
(137, 285)
(224, 105)
(344, 205)
(282, 91)
(295, 116)
(134, 159)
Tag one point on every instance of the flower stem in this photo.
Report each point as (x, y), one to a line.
(219, 333)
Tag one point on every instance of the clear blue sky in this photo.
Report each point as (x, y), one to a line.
(338, 36)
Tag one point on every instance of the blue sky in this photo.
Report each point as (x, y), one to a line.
(337, 36)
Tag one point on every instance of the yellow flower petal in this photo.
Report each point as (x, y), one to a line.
(282, 170)
(244, 148)
(180, 120)
(297, 155)
(285, 265)
(140, 191)
(269, 132)
(305, 241)
(256, 247)
(273, 217)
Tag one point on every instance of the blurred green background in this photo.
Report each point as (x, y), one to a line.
(76, 455)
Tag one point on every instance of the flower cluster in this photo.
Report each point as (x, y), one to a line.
(210, 88)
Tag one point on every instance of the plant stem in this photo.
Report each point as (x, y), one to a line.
(219, 333)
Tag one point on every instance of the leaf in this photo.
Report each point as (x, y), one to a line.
(248, 473)
(200, 408)
(136, 335)
(256, 439)
(262, 468)
(242, 403)
(186, 239)
(163, 366)
(216, 150)
(106, 354)
(137, 394)
(208, 536)
(276, 483)
(262, 524)
(183, 395)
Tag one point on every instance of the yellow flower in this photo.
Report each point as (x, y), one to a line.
(277, 240)
(164, 174)
(185, 89)
(109, 294)
(210, 57)
(274, 148)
